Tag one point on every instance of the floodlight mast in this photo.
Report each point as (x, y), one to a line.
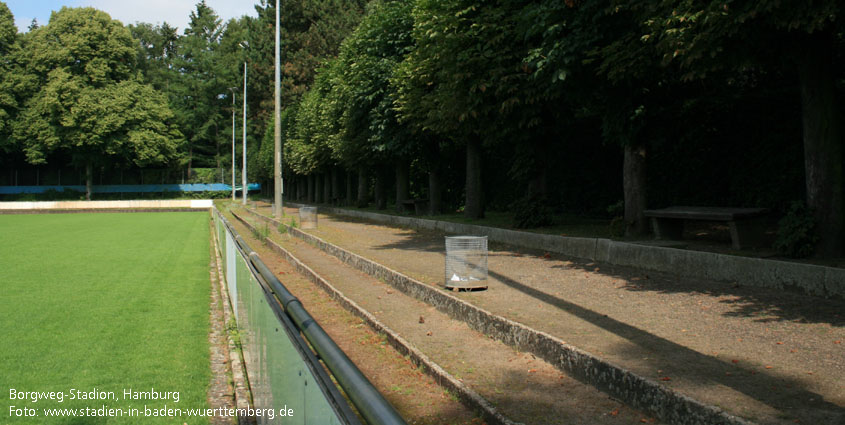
(232, 89)
(278, 180)
(244, 189)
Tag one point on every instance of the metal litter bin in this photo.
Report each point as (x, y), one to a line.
(466, 262)
(308, 217)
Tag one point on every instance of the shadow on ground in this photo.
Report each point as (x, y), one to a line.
(768, 388)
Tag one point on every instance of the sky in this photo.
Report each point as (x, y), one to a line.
(174, 12)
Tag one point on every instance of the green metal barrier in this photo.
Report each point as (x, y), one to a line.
(284, 373)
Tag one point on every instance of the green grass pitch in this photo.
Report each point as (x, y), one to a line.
(104, 301)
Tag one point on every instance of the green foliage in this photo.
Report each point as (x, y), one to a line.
(204, 175)
(369, 130)
(261, 232)
(531, 213)
(705, 36)
(8, 100)
(8, 31)
(797, 235)
(90, 103)
(199, 84)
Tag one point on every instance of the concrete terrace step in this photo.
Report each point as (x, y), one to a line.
(766, 273)
(489, 375)
(660, 343)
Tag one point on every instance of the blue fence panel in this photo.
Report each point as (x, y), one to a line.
(130, 188)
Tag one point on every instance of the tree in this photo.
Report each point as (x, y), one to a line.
(9, 75)
(460, 51)
(91, 103)
(8, 31)
(596, 67)
(197, 95)
(703, 37)
(157, 53)
(369, 133)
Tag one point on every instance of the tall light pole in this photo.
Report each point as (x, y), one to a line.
(244, 189)
(232, 89)
(278, 181)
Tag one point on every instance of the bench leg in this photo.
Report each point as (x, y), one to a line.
(747, 233)
(666, 228)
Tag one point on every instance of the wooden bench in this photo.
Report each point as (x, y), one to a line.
(746, 224)
(415, 206)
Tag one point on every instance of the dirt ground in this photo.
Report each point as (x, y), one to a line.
(415, 395)
(522, 387)
(765, 355)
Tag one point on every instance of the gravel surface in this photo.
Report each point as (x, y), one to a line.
(523, 388)
(765, 355)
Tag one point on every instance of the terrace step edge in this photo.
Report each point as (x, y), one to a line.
(468, 396)
(663, 402)
(811, 279)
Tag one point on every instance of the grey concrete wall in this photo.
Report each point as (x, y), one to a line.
(812, 279)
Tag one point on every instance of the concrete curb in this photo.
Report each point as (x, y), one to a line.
(814, 280)
(240, 382)
(444, 378)
(639, 392)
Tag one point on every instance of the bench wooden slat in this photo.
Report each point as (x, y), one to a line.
(706, 213)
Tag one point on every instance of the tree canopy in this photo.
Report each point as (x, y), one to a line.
(579, 106)
(90, 100)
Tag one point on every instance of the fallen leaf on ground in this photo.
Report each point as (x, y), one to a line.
(532, 370)
(780, 343)
(665, 378)
(768, 367)
(614, 412)
(734, 361)
(428, 333)
(422, 319)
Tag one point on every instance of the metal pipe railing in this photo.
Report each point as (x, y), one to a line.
(366, 398)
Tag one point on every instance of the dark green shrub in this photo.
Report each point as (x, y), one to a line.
(531, 213)
(797, 237)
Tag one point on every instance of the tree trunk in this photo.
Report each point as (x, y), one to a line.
(89, 179)
(823, 150)
(474, 207)
(349, 189)
(327, 188)
(335, 199)
(381, 193)
(319, 185)
(435, 191)
(402, 172)
(634, 187)
(538, 183)
(363, 188)
(311, 188)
